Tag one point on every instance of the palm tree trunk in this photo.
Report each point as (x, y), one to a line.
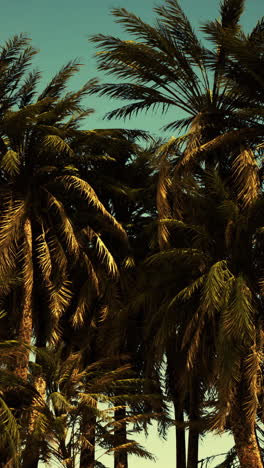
(247, 446)
(193, 445)
(180, 437)
(120, 439)
(193, 439)
(26, 323)
(87, 456)
(244, 433)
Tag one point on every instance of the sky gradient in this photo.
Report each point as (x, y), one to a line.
(60, 30)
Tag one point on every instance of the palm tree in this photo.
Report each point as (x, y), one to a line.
(218, 247)
(38, 174)
(168, 66)
(120, 178)
(71, 396)
(16, 398)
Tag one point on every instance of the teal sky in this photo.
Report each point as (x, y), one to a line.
(60, 30)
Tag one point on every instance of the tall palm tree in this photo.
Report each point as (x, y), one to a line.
(168, 66)
(218, 247)
(121, 174)
(72, 394)
(38, 179)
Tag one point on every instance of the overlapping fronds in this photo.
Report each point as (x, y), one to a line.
(163, 186)
(105, 255)
(239, 312)
(27, 91)
(231, 11)
(246, 175)
(10, 434)
(216, 287)
(10, 233)
(180, 30)
(85, 190)
(84, 301)
(66, 227)
(253, 376)
(160, 54)
(58, 84)
(10, 162)
(189, 255)
(186, 293)
(57, 144)
(15, 57)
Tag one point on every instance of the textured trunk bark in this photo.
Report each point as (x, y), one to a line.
(243, 425)
(193, 440)
(25, 327)
(246, 442)
(247, 447)
(87, 456)
(180, 437)
(120, 439)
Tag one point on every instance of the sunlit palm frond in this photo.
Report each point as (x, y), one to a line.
(66, 227)
(86, 191)
(239, 312)
(246, 175)
(10, 162)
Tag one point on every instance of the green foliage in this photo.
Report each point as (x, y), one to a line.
(135, 266)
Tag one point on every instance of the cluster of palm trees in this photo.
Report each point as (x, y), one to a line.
(132, 270)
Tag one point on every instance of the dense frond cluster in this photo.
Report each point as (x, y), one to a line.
(131, 268)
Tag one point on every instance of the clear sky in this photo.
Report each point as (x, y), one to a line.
(60, 30)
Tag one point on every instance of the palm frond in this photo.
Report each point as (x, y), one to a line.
(87, 192)
(56, 144)
(10, 162)
(58, 84)
(66, 226)
(246, 175)
(239, 312)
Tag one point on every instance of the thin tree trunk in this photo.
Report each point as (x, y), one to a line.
(180, 437)
(88, 424)
(26, 323)
(120, 439)
(193, 446)
(194, 432)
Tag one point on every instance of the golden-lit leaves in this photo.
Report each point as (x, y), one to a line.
(87, 192)
(164, 184)
(66, 226)
(56, 144)
(246, 175)
(84, 302)
(44, 256)
(105, 255)
(253, 377)
(239, 312)
(10, 162)
(214, 290)
(10, 232)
